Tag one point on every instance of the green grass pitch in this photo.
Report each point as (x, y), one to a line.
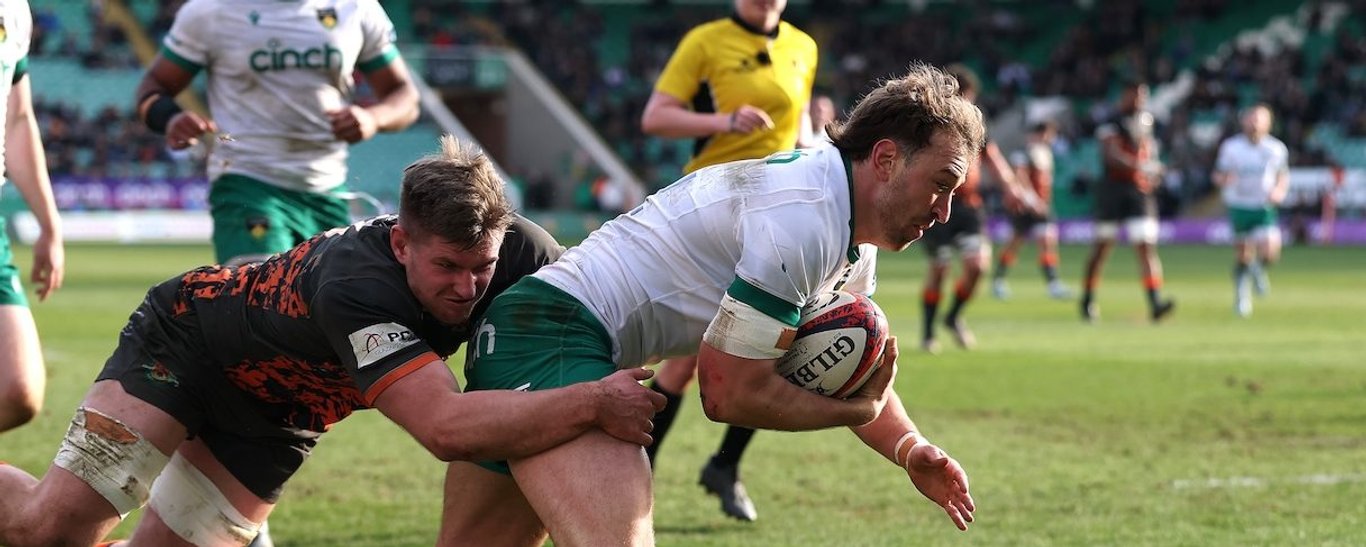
(1205, 430)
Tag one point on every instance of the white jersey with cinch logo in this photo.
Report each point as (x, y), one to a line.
(772, 233)
(16, 31)
(1254, 168)
(275, 68)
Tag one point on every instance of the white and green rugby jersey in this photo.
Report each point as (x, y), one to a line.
(275, 68)
(772, 233)
(1254, 167)
(16, 30)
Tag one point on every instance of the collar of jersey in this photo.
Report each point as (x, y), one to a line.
(756, 30)
(852, 254)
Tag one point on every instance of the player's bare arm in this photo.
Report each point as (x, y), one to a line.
(806, 135)
(1282, 187)
(157, 108)
(937, 476)
(505, 424)
(1115, 155)
(397, 107)
(667, 116)
(27, 167)
(1014, 186)
(748, 392)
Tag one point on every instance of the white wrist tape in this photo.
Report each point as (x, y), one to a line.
(896, 452)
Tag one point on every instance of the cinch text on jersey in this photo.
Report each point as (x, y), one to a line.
(265, 60)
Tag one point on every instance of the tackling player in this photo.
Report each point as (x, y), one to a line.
(723, 259)
(252, 364)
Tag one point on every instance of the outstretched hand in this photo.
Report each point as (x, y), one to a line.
(626, 409)
(941, 479)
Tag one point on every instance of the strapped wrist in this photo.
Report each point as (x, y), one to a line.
(731, 127)
(896, 450)
(159, 113)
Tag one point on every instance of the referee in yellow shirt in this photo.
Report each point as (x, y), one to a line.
(741, 87)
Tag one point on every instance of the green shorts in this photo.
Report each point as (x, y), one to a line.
(1244, 221)
(252, 218)
(534, 337)
(11, 291)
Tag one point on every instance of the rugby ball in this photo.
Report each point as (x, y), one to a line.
(839, 341)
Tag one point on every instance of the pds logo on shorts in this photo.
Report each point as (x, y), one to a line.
(375, 342)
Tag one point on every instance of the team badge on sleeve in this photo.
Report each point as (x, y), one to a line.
(328, 17)
(375, 342)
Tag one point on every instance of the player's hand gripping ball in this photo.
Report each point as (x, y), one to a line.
(839, 344)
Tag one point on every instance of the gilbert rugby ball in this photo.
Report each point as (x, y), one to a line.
(839, 341)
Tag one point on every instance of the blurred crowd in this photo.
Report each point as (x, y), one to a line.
(1082, 54)
(1096, 50)
(111, 143)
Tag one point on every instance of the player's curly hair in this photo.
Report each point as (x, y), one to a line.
(910, 110)
(455, 195)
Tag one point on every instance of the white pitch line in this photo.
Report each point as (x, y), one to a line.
(1260, 482)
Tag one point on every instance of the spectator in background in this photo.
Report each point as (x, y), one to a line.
(740, 86)
(822, 114)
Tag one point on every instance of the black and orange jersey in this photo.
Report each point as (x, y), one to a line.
(1037, 162)
(317, 332)
(1133, 133)
(970, 193)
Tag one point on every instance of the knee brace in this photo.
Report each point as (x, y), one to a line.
(114, 460)
(193, 508)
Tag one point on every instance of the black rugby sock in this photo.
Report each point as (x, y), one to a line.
(733, 446)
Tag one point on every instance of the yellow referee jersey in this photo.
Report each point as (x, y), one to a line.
(721, 65)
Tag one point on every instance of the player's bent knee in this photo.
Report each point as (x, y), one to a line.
(193, 507)
(19, 404)
(113, 459)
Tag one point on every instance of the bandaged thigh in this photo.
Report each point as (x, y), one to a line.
(194, 508)
(117, 462)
